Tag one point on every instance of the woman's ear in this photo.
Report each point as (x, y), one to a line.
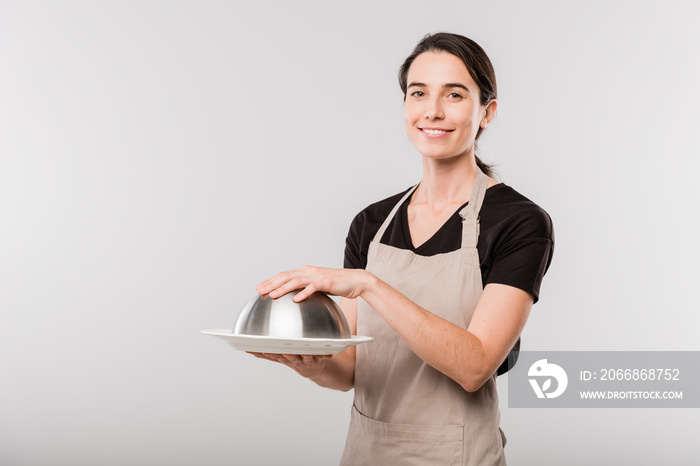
(489, 113)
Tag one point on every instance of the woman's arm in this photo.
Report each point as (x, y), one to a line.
(337, 371)
(468, 356)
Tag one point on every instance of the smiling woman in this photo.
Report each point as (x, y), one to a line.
(459, 54)
(442, 109)
(447, 272)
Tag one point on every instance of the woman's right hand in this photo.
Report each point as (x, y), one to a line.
(308, 366)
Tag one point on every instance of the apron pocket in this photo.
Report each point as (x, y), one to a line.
(377, 443)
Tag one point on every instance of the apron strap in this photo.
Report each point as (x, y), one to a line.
(385, 225)
(470, 213)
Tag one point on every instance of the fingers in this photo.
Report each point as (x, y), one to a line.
(286, 359)
(281, 358)
(268, 356)
(293, 359)
(272, 283)
(303, 364)
(288, 281)
(304, 359)
(291, 285)
(308, 280)
(308, 359)
(305, 293)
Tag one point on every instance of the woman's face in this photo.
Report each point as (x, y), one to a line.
(442, 112)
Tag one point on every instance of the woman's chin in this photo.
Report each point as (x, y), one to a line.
(441, 156)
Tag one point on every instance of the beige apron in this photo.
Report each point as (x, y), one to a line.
(405, 412)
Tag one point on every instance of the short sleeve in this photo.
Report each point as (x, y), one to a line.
(353, 255)
(363, 229)
(525, 252)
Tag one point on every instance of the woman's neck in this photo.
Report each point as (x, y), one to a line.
(446, 181)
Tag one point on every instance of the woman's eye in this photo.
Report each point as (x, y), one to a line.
(417, 93)
(454, 95)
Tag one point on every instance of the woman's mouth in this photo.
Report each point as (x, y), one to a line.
(435, 132)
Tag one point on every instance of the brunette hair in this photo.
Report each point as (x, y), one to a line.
(474, 58)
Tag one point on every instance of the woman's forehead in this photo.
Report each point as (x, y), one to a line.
(439, 68)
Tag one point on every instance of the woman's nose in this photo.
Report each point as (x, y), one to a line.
(434, 110)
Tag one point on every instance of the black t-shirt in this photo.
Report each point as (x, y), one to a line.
(516, 240)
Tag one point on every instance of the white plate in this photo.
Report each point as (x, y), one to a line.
(262, 344)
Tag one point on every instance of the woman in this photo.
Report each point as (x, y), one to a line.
(447, 273)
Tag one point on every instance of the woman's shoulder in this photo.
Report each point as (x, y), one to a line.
(504, 205)
(364, 227)
(504, 194)
(378, 211)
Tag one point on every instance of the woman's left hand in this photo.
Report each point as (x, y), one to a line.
(348, 283)
(305, 365)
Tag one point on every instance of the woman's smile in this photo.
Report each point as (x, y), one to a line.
(435, 132)
(442, 111)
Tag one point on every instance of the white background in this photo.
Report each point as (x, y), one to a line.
(159, 159)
